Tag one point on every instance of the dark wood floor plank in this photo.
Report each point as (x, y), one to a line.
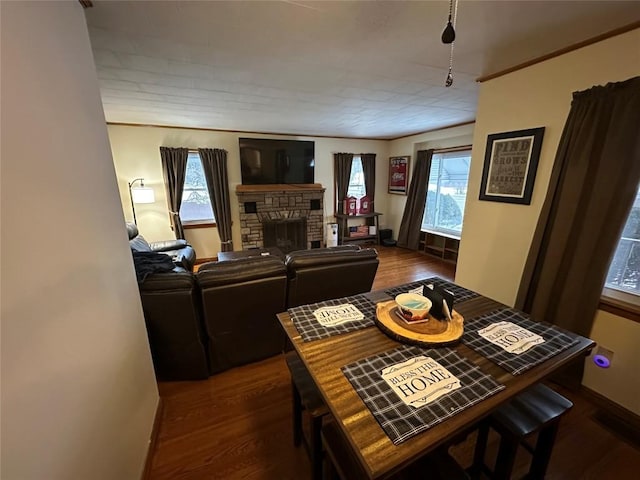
(237, 424)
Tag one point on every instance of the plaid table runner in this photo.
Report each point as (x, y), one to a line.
(399, 421)
(555, 340)
(310, 329)
(461, 293)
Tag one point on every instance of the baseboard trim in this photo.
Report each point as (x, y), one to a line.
(155, 433)
(622, 421)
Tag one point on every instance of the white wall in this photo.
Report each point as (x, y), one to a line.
(445, 138)
(497, 236)
(78, 389)
(136, 153)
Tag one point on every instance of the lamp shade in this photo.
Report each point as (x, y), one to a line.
(142, 195)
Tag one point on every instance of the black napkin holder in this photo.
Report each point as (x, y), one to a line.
(438, 296)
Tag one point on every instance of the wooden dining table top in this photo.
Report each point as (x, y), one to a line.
(324, 359)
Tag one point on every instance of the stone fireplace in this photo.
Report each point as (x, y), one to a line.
(290, 217)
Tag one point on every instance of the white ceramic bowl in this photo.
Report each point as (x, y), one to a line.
(413, 306)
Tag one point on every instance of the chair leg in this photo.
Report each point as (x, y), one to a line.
(316, 448)
(481, 447)
(506, 457)
(542, 454)
(329, 470)
(297, 415)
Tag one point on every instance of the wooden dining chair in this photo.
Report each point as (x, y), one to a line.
(306, 397)
(537, 410)
(342, 463)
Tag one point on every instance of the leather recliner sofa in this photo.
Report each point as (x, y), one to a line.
(225, 315)
(180, 251)
(173, 316)
(240, 300)
(325, 273)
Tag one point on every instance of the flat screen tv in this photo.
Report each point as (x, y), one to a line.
(265, 161)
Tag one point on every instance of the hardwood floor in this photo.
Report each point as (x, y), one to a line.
(237, 424)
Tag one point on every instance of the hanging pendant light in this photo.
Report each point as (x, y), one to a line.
(449, 33)
(449, 36)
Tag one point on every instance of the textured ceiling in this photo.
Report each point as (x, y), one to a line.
(354, 69)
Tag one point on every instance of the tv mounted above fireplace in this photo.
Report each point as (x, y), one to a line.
(267, 161)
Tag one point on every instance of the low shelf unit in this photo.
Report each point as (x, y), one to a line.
(439, 244)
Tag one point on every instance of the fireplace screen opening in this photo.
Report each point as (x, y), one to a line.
(287, 234)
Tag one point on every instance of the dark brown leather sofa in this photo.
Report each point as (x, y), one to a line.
(325, 273)
(240, 300)
(172, 312)
(180, 251)
(225, 315)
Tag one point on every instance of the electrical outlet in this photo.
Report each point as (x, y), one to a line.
(603, 357)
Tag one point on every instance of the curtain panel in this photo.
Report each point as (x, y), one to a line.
(591, 191)
(174, 167)
(369, 170)
(342, 174)
(409, 234)
(214, 164)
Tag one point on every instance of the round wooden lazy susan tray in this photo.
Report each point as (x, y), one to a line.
(428, 334)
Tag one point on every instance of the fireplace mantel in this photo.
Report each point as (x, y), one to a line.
(280, 187)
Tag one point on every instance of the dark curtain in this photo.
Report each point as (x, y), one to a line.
(369, 170)
(591, 191)
(342, 173)
(214, 164)
(174, 167)
(409, 235)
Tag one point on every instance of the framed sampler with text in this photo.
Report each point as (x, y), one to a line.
(510, 164)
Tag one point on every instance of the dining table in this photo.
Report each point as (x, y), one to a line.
(330, 355)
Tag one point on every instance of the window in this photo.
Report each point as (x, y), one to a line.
(623, 279)
(447, 192)
(356, 180)
(196, 205)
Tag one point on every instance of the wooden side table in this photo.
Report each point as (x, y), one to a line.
(371, 219)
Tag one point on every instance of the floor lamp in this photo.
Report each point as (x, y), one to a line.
(139, 194)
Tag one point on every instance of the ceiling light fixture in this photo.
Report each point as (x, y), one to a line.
(449, 36)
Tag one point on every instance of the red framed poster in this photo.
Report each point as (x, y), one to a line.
(399, 175)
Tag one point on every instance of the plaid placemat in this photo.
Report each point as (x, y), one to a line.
(555, 340)
(461, 293)
(310, 329)
(401, 422)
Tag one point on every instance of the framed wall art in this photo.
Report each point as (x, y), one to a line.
(399, 174)
(510, 164)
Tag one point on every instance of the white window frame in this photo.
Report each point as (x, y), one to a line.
(202, 221)
(364, 189)
(352, 178)
(619, 297)
(439, 230)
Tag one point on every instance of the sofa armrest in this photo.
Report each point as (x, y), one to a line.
(184, 257)
(165, 245)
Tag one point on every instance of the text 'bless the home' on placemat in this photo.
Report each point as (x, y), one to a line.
(515, 342)
(333, 317)
(410, 389)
